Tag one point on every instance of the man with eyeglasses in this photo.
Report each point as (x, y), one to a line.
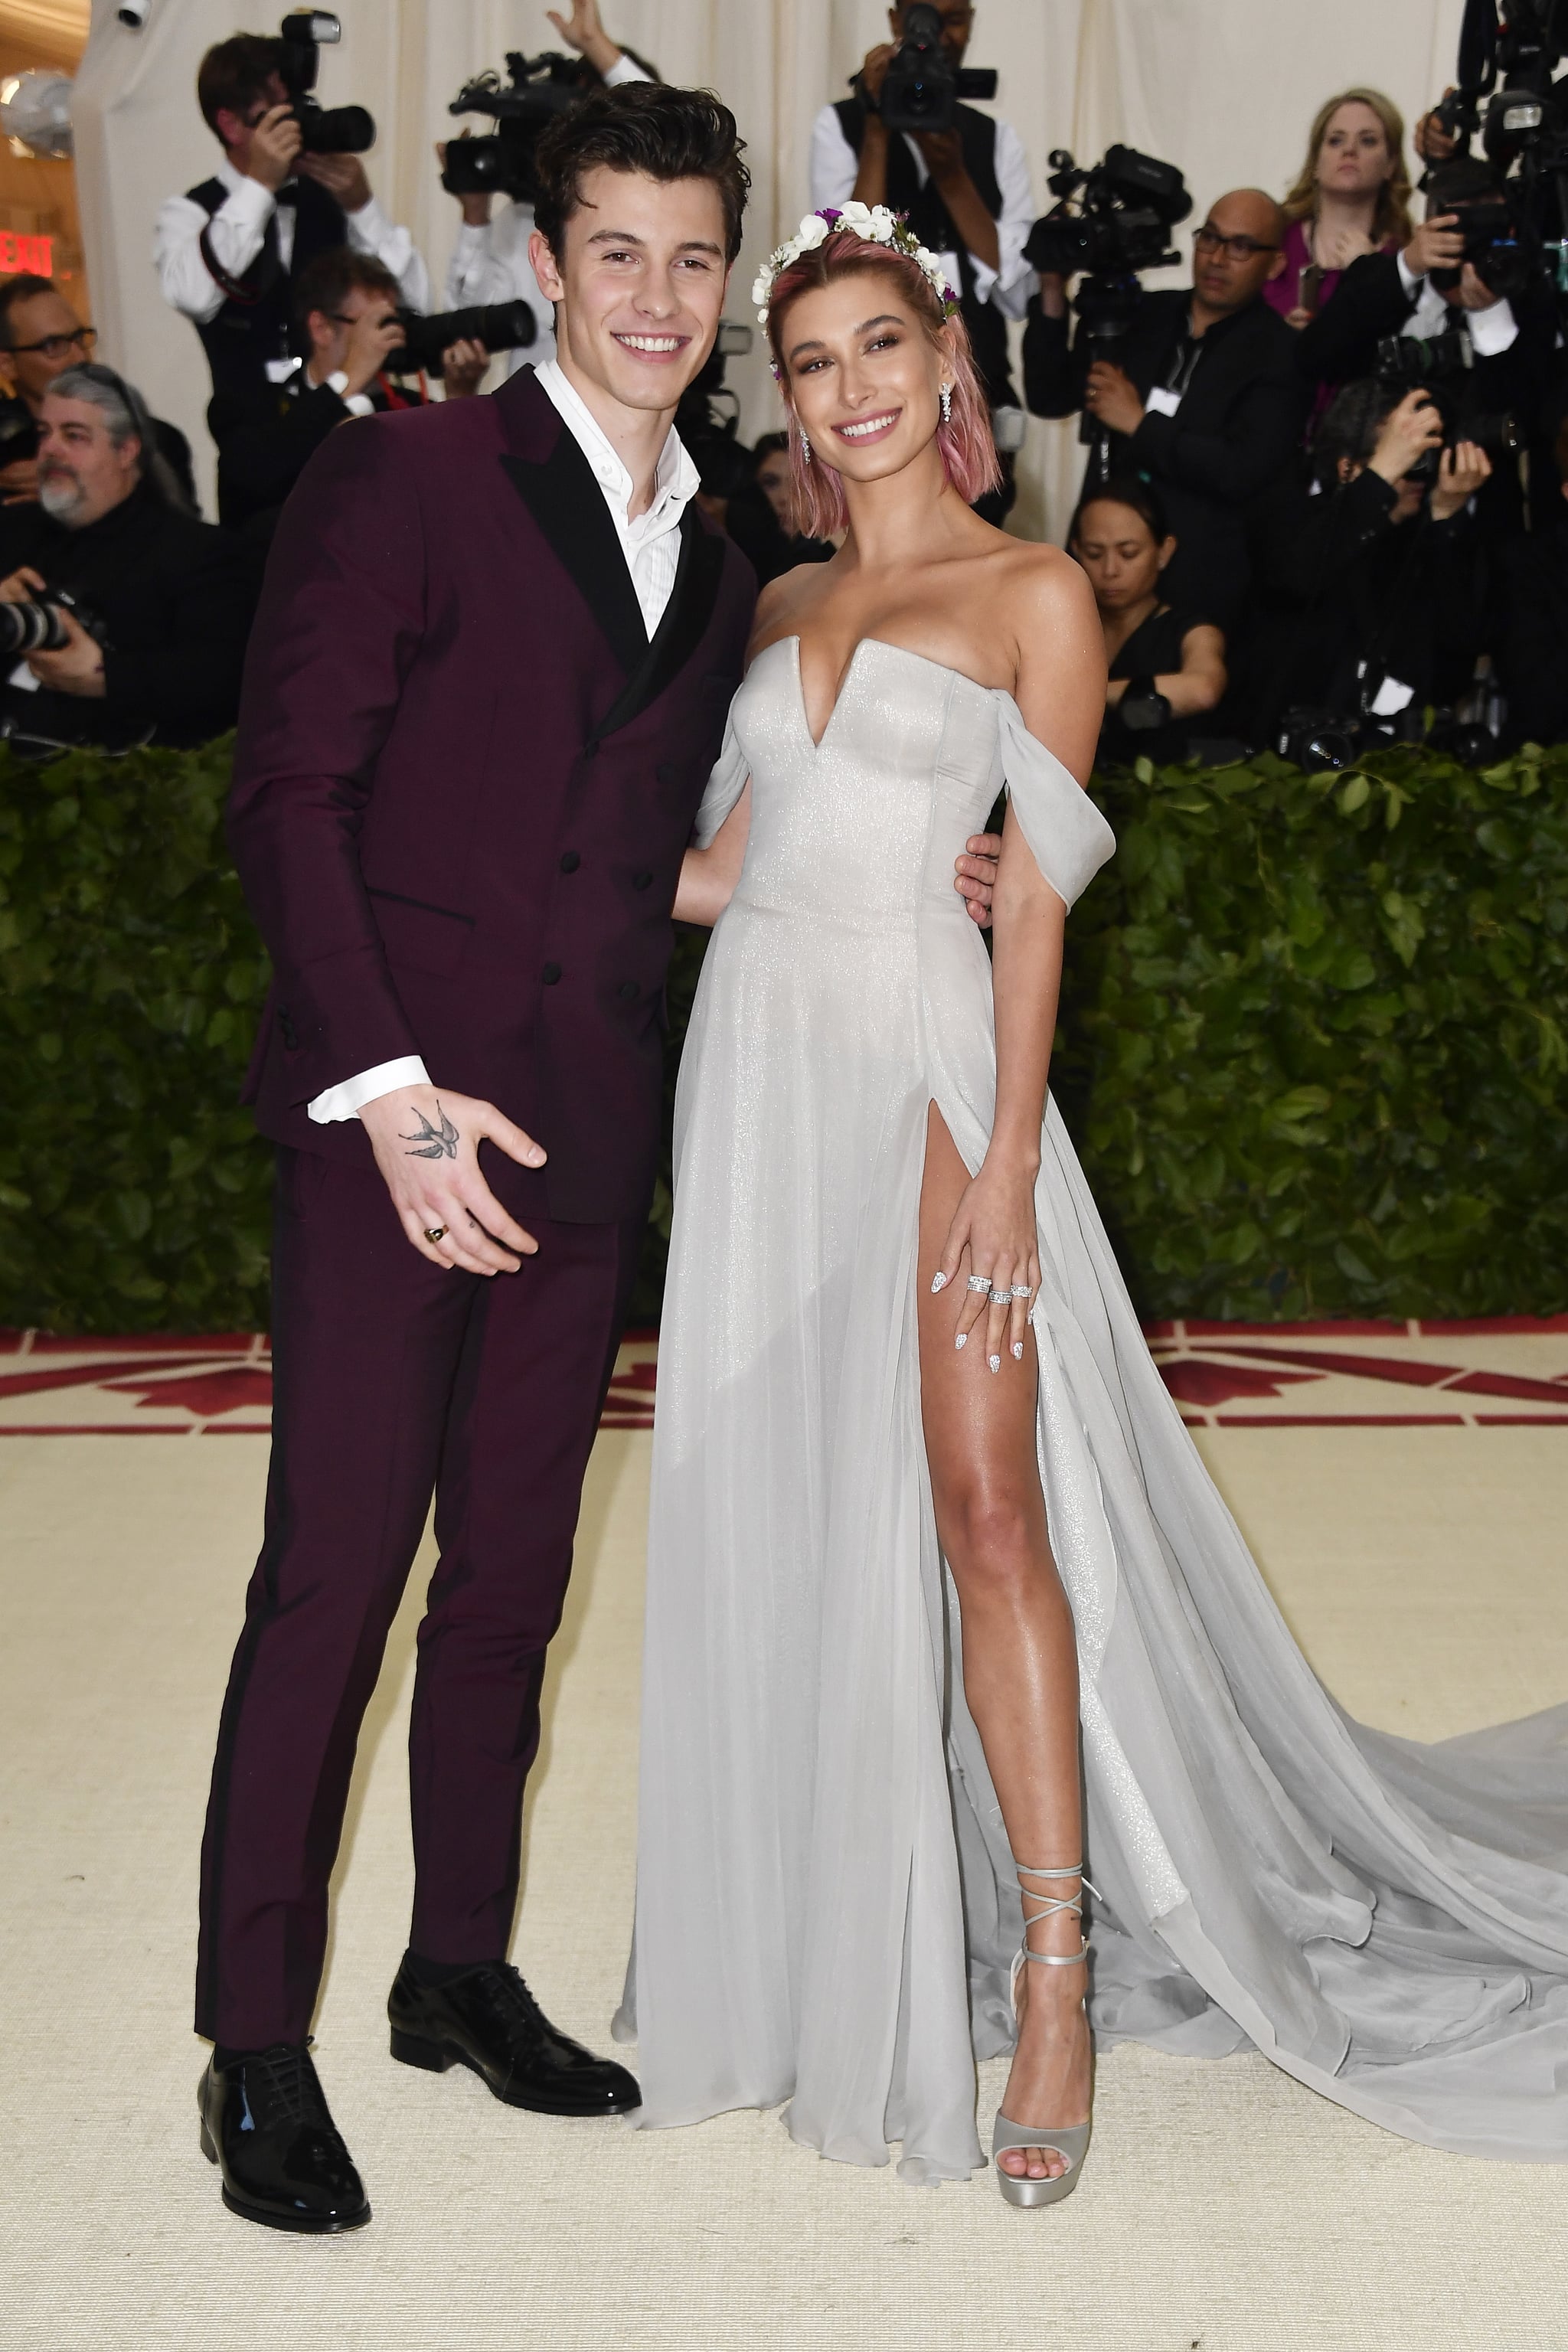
(40, 337)
(1203, 397)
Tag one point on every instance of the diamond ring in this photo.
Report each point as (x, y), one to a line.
(1022, 1290)
(979, 1282)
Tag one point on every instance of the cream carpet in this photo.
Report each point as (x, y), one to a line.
(1223, 2207)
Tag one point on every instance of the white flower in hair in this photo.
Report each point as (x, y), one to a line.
(878, 224)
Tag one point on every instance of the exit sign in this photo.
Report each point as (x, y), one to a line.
(31, 254)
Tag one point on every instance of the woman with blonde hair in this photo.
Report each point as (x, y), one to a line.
(1351, 197)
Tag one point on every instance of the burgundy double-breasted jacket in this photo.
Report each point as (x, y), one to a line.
(465, 779)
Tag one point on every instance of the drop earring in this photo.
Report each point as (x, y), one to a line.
(947, 404)
(805, 446)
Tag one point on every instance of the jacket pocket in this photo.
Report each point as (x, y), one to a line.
(420, 937)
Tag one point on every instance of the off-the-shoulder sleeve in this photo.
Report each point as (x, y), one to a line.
(725, 785)
(1069, 837)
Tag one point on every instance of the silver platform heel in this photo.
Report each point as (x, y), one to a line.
(1069, 2141)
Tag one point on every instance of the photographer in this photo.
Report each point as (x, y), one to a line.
(967, 193)
(346, 321)
(155, 648)
(1164, 668)
(1367, 586)
(1204, 398)
(759, 515)
(490, 261)
(227, 252)
(40, 338)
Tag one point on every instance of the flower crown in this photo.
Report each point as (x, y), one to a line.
(877, 225)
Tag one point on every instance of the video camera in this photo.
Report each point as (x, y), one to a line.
(324, 130)
(1438, 365)
(920, 91)
(501, 162)
(1127, 207)
(1524, 137)
(500, 326)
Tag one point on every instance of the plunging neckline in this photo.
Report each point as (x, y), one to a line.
(818, 742)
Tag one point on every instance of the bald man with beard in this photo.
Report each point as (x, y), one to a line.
(1204, 397)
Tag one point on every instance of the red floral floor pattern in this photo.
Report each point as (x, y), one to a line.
(1510, 1370)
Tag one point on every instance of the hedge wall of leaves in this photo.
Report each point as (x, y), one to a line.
(1313, 1045)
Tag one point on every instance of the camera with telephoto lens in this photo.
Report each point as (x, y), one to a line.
(500, 326)
(1439, 366)
(708, 417)
(37, 624)
(920, 90)
(501, 162)
(323, 130)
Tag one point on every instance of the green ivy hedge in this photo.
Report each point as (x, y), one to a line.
(1313, 1045)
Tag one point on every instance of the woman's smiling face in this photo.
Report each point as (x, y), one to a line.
(864, 373)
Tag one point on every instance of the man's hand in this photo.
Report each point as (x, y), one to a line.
(975, 874)
(1435, 245)
(874, 72)
(1433, 143)
(275, 146)
(371, 338)
(1461, 472)
(342, 176)
(77, 667)
(20, 586)
(1111, 398)
(462, 368)
(1472, 292)
(427, 1144)
(18, 481)
(582, 31)
(1406, 435)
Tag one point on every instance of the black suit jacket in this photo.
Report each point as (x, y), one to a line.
(464, 780)
(1237, 430)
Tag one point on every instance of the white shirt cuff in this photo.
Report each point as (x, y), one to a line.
(1408, 277)
(346, 1101)
(624, 70)
(1492, 330)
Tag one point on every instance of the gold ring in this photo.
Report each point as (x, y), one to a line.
(435, 1232)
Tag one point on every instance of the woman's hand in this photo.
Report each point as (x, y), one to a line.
(1405, 436)
(1461, 472)
(1343, 247)
(993, 1235)
(708, 876)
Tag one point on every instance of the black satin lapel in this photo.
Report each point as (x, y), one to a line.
(686, 618)
(568, 505)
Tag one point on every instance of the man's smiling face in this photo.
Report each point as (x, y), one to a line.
(640, 285)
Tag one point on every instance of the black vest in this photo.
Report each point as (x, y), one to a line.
(243, 336)
(933, 224)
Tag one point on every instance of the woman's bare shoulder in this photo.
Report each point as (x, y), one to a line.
(1043, 582)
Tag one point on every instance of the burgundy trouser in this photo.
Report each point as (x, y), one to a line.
(393, 1378)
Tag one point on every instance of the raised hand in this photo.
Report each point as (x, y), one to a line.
(427, 1144)
(1407, 434)
(582, 31)
(275, 145)
(1461, 472)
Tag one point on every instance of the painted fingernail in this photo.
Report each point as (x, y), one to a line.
(961, 1340)
(939, 1281)
(995, 1363)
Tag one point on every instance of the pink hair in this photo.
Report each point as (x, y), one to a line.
(968, 450)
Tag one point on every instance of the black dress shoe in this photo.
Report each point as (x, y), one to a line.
(265, 2124)
(488, 2019)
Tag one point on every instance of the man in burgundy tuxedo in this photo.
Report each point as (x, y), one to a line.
(495, 653)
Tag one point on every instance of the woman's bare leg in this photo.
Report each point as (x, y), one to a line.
(1020, 1656)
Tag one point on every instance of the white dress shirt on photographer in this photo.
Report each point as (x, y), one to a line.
(237, 228)
(834, 169)
(490, 261)
(651, 545)
(1491, 330)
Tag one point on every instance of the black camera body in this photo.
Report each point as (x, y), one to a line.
(500, 326)
(920, 90)
(324, 130)
(1127, 205)
(37, 625)
(1439, 365)
(18, 433)
(501, 162)
(1525, 136)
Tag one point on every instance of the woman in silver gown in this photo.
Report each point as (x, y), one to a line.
(891, 1578)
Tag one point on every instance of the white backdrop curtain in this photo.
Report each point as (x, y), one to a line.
(1222, 88)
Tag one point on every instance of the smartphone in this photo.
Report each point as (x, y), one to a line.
(1309, 287)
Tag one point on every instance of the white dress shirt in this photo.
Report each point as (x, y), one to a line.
(237, 228)
(834, 169)
(490, 261)
(651, 545)
(1491, 330)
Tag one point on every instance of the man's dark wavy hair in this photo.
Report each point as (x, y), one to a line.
(669, 134)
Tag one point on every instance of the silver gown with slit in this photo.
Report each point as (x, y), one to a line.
(825, 1900)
